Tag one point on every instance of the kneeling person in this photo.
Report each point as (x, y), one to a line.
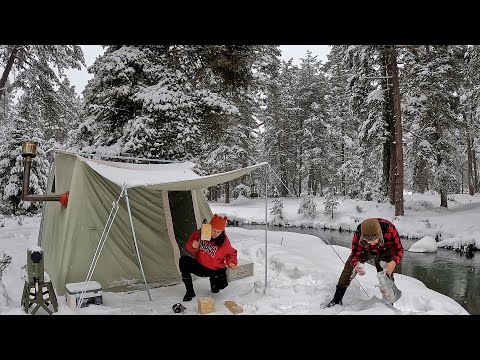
(376, 239)
(211, 258)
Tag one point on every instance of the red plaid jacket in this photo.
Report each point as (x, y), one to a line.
(391, 241)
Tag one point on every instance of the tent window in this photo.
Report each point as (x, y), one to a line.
(183, 217)
(52, 190)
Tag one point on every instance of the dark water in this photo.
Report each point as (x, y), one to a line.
(448, 272)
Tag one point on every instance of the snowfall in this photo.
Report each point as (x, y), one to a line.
(294, 274)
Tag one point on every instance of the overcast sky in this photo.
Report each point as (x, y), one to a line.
(79, 78)
(300, 51)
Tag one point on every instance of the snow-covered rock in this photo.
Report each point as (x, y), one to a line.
(425, 244)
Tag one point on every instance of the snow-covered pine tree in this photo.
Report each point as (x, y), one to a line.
(308, 206)
(277, 211)
(37, 74)
(312, 127)
(330, 202)
(37, 65)
(12, 169)
(280, 150)
(7, 103)
(342, 160)
(235, 137)
(159, 101)
(67, 118)
(369, 105)
(431, 77)
(472, 66)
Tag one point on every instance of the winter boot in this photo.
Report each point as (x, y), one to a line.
(337, 298)
(190, 294)
(218, 281)
(213, 285)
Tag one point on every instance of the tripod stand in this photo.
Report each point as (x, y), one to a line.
(37, 296)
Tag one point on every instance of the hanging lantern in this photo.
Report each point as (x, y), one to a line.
(253, 191)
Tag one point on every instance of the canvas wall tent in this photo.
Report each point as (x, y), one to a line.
(166, 204)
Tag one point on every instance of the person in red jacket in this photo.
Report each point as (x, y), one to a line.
(211, 258)
(376, 239)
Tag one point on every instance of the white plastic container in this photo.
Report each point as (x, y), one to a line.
(92, 295)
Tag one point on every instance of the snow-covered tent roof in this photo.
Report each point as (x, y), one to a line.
(176, 176)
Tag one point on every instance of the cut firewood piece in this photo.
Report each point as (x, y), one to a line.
(233, 307)
(206, 232)
(206, 305)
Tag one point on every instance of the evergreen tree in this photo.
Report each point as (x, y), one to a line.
(6, 112)
(39, 68)
(312, 127)
(342, 162)
(238, 140)
(278, 120)
(277, 211)
(160, 101)
(330, 202)
(432, 84)
(356, 116)
(12, 168)
(308, 206)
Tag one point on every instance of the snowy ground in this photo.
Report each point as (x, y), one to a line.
(301, 270)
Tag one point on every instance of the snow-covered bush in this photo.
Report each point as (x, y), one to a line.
(330, 202)
(308, 206)
(241, 190)
(277, 212)
(4, 262)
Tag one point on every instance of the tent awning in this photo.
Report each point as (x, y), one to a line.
(206, 181)
(173, 176)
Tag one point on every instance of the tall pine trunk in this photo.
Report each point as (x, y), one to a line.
(227, 192)
(470, 179)
(398, 171)
(8, 68)
(437, 137)
(387, 145)
(475, 171)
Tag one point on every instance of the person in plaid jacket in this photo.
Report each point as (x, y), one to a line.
(375, 239)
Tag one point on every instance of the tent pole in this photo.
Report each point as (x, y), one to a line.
(266, 224)
(135, 241)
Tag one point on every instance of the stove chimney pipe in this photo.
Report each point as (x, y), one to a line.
(29, 151)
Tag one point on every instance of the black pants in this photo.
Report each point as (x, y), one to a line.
(348, 271)
(189, 265)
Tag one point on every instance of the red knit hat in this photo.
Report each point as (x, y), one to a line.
(218, 222)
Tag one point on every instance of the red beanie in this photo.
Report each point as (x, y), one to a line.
(218, 222)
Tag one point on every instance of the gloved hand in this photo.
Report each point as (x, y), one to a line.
(390, 267)
(359, 269)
